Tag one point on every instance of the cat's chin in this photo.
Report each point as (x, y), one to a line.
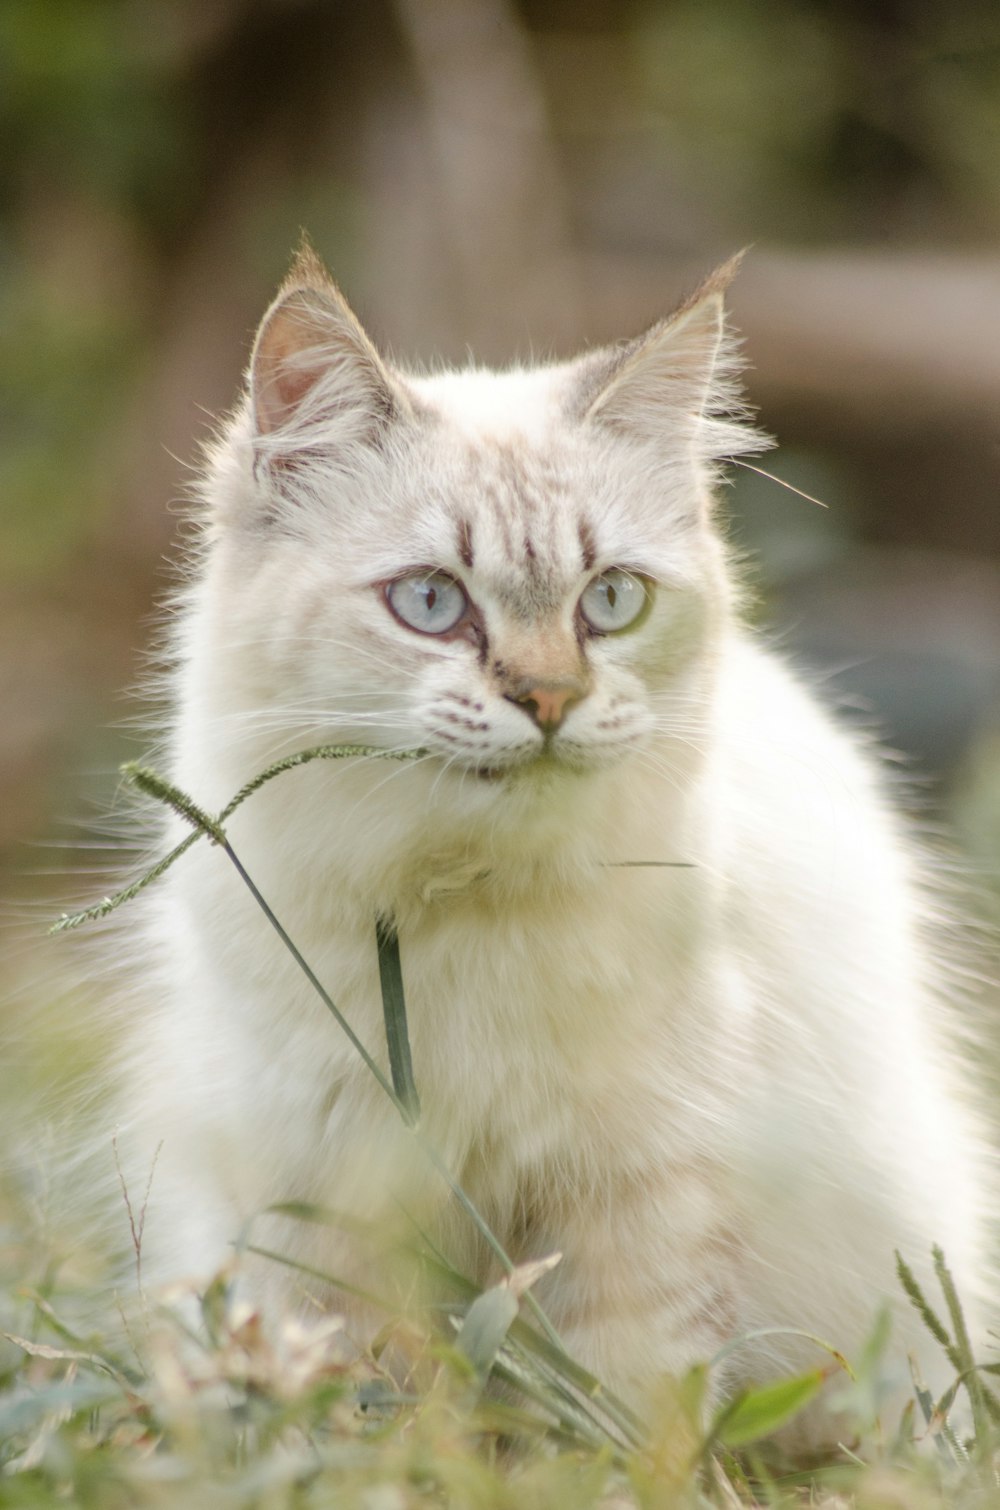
(544, 767)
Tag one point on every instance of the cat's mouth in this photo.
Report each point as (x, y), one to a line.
(544, 763)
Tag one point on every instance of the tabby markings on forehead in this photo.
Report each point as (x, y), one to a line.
(588, 545)
(466, 554)
(526, 495)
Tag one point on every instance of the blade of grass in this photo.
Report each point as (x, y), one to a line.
(429, 1151)
(304, 757)
(368, 1296)
(919, 1301)
(949, 1449)
(202, 823)
(111, 903)
(397, 1037)
(482, 1330)
(560, 1374)
(568, 1414)
(558, 1368)
(985, 1406)
(315, 982)
(587, 1384)
(781, 1331)
(760, 1412)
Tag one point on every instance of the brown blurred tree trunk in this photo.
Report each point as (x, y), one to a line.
(502, 196)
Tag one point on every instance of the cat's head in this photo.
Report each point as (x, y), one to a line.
(516, 572)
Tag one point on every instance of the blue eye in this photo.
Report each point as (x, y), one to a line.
(429, 602)
(614, 600)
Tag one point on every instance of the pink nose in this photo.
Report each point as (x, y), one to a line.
(547, 705)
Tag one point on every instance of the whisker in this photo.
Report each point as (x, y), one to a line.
(736, 462)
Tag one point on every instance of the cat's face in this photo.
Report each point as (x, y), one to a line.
(514, 572)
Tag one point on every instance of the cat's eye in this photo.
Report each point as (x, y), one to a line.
(615, 600)
(430, 602)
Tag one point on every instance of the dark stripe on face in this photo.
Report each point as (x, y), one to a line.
(465, 552)
(588, 545)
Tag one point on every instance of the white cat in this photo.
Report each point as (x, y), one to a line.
(714, 1083)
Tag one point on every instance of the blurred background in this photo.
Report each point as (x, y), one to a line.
(507, 177)
(510, 177)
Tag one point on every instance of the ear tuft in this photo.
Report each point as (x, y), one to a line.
(308, 270)
(717, 282)
(680, 379)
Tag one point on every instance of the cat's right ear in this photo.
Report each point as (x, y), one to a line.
(317, 384)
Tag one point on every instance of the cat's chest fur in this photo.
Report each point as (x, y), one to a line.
(543, 990)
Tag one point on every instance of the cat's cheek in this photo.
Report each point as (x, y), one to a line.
(676, 637)
(481, 744)
(617, 715)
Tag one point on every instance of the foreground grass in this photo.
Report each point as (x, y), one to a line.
(222, 1410)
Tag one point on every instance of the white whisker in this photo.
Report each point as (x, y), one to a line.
(761, 472)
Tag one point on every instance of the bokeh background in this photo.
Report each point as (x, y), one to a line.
(505, 176)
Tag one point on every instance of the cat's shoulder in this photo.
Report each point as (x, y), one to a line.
(759, 684)
(784, 744)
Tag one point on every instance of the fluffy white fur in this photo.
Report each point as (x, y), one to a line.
(720, 1090)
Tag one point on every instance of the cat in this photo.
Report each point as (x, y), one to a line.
(674, 1003)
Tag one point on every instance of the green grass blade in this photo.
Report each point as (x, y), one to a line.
(985, 1406)
(155, 785)
(949, 1448)
(119, 898)
(203, 823)
(486, 1324)
(397, 1036)
(929, 1316)
(555, 1365)
(321, 1275)
(573, 1420)
(760, 1412)
(304, 757)
(736, 1343)
(313, 979)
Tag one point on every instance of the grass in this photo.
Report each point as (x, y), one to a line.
(469, 1400)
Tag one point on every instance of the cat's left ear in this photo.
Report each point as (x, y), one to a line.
(679, 379)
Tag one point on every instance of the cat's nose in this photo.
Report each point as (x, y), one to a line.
(547, 702)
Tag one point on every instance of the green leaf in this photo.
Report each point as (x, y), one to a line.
(485, 1327)
(390, 973)
(762, 1411)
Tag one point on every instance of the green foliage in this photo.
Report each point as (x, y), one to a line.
(787, 106)
(761, 1412)
(243, 1414)
(91, 148)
